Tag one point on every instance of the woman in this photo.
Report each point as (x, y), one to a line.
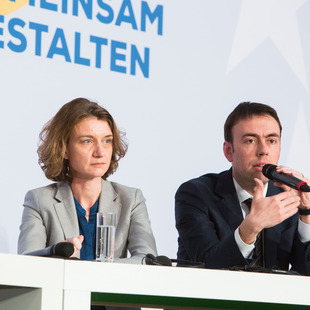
(80, 147)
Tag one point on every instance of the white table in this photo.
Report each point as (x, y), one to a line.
(33, 283)
(175, 287)
(30, 283)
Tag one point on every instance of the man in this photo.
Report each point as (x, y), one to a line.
(216, 223)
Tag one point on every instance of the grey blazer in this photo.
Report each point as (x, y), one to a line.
(49, 216)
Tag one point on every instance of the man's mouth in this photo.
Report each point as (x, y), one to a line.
(260, 165)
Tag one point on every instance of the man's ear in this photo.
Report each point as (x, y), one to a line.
(228, 151)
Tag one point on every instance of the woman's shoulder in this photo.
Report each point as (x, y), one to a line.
(48, 187)
(127, 195)
(47, 191)
(124, 190)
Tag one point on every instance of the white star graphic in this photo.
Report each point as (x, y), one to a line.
(273, 19)
(299, 151)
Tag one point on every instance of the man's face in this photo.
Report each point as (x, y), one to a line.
(256, 142)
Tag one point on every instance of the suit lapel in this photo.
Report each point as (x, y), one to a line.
(229, 204)
(66, 212)
(230, 208)
(272, 236)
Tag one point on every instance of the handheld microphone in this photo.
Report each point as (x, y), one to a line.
(61, 249)
(270, 172)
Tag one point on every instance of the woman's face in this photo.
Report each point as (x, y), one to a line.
(90, 148)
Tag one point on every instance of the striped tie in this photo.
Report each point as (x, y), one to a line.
(258, 252)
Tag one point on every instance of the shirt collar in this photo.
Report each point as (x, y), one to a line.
(243, 194)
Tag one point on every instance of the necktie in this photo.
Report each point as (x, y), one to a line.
(258, 252)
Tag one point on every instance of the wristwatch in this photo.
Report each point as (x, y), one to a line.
(304, 211)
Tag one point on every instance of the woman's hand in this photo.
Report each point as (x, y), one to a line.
(77, 243)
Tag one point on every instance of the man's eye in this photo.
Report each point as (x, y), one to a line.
(107, 141)
(87, 141)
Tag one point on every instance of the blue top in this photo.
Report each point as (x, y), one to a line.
(88, 230)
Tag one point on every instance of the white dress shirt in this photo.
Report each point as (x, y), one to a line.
(246, 249)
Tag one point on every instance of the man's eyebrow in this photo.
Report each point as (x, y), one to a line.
(249, 134)
(273, 135)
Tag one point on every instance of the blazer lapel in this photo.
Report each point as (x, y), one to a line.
(66, 212)
(229, 204)
(109, 199)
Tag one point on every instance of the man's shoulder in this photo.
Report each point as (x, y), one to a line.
(208, 180)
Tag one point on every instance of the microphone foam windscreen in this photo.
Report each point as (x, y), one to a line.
(64, 249)
(268, 169)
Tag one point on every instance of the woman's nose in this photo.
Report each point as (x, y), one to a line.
(99, 151)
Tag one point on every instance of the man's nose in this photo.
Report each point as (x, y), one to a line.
(262, 148)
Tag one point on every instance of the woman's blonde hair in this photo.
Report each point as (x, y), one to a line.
(55, 135)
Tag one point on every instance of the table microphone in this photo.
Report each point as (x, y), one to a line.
(61, 249)
(162, 260)
(270, 172)
(150, 259)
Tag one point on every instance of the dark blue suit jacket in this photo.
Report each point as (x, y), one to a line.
(208, 212)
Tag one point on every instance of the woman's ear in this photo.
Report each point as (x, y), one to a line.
(228, 151)
(65, 153)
